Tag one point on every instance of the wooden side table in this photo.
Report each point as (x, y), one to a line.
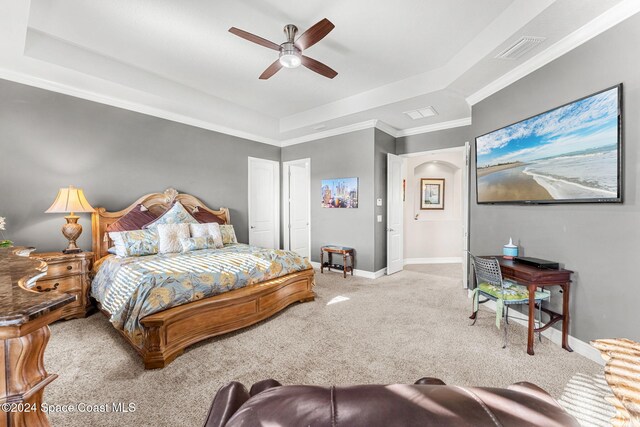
(347, 254)
(24, 332)
(68, 273)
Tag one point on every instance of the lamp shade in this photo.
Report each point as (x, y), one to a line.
(70, 200)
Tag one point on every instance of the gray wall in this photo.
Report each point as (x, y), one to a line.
(49, 140)
(383, 144)
(341, 156)
(437, 140)
(598, 242)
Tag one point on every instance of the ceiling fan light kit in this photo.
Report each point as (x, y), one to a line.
(291, 51)
(290, 56)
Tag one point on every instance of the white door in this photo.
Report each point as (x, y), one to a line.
(264, 196)
(395, 209)
(465, 216)
(297, 207)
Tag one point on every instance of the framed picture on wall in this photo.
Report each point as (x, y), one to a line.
(340, 193)
(431, 193)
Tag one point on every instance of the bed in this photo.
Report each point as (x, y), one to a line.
(132, 292)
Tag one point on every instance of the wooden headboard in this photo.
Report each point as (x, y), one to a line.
(156, 203)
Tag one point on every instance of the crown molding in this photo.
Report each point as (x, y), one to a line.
(595, 27)
(377, 124)
(387, 128)
(435, 127)
(64, 89)
(29, 80)
(330, 132)
(459, 148)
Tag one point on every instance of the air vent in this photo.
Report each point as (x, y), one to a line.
(519, 48)
(421, 113)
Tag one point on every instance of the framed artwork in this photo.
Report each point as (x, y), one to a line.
(340, 193)
(431, 193)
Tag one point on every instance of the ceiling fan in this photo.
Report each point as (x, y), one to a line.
(291, 51)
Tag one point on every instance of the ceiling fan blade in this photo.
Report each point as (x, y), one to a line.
(271, 70)
(318, 67)
(314, 34)
(253, 38)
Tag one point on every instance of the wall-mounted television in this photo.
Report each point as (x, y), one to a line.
(571, 154)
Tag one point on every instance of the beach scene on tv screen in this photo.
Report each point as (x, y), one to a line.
(570, 153)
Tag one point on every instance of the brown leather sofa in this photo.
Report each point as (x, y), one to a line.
(428, 402)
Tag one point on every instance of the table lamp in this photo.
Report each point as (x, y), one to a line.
(71, 200)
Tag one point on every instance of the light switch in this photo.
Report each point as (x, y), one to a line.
(379, 202)
(379, 218)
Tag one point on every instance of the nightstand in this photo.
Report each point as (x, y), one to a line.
(68, 273)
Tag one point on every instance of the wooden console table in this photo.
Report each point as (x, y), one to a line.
(347, 254)
(24, 333)
(533, 278)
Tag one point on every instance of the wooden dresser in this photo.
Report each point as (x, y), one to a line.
(24, 333)
(68, 273)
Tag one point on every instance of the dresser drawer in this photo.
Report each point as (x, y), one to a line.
(64, 268)
(69, 284)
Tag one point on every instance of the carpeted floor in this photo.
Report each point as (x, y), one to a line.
(394, 329)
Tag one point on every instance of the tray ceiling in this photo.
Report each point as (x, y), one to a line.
(177, 59)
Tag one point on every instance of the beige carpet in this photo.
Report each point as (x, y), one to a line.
(394, 329)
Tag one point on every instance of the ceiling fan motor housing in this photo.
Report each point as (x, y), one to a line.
(290, 31)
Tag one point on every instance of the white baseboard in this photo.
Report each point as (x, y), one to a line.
(359, 273)
(441, 260)
(555, 336)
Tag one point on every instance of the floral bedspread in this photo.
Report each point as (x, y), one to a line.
(134, 287)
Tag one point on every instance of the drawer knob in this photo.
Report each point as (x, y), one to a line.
(69, 267)
(39, 288)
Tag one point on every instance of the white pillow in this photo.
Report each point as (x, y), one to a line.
(169, 236)
(208, 229)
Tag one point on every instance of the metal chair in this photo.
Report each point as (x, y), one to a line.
(489, 284)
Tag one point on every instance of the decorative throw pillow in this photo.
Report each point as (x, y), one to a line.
(228, 234)
(203, 216)
(208, 230)
(135, 219)
(177, 214)
(197, 243)
(169, 236)
(135, 242)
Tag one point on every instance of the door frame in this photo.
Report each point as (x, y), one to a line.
(465, 199)
(276, 205)
(286, 199)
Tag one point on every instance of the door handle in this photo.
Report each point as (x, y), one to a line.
(252, 227)
(390, 229)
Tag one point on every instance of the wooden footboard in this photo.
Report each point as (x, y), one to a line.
(169, 332)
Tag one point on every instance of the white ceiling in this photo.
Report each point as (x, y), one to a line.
(178, 60)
